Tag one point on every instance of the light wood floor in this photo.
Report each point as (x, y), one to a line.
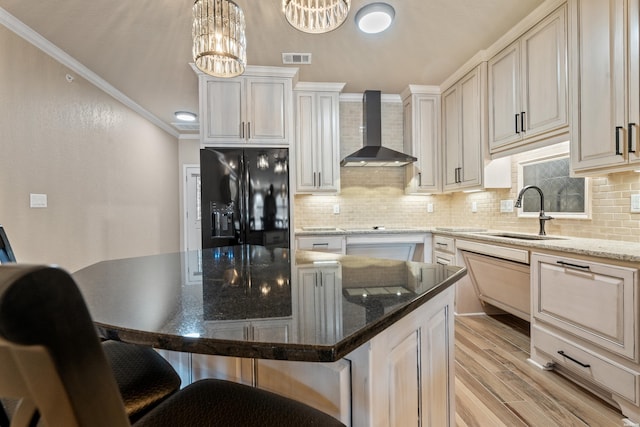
(496, 386)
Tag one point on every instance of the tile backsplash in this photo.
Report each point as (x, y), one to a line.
(375, 196)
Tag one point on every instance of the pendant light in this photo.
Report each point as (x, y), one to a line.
(316, 16)
(219, 42)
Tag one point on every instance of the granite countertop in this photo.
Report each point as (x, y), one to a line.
(600, 248)
(251, 301)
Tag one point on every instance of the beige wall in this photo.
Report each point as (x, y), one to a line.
(111, 176)
(375, 196)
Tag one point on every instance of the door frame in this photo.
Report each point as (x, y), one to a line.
(186, 169)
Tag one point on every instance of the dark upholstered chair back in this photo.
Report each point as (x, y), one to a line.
(6, 253)
(51, 359)
(50, 355)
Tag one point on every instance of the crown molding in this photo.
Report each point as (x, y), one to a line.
(31, 36)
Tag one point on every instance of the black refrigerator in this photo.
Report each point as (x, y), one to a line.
(244, 196)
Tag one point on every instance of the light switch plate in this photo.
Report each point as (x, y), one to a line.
(474, 206)
(635, 203)
(336, 208)
(430, 207)
(506, 206)
(37, 200)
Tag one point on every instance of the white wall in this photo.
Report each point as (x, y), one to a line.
(111, 177)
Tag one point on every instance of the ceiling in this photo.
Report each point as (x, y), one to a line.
(143, 47)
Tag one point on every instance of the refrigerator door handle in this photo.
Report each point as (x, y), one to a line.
(241, 199)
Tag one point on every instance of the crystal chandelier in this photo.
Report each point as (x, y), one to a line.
(316, 16)
(219, 43)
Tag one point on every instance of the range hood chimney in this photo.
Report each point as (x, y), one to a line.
(373, 153)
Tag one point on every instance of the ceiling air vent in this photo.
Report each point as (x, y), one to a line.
(296, 58)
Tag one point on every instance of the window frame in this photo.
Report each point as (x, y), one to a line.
(552, 153)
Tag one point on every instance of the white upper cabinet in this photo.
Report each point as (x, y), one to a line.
(528, 88)
(462, 132)
(318, 139)
(421, 112)
(606, 90)
(255, 108)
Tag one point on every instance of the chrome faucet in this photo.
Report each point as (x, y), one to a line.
(543, 218)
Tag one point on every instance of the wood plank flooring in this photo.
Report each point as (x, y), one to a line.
(496, 386)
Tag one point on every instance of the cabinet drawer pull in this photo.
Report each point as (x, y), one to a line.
(568, 264)
(630, 137)
(618, 128)
(563, 354)
(522, 121)
(442, 244)
(517, 116)
(320, 245)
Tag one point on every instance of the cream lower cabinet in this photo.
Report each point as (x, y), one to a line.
(405, 375)
(605, 71)
(585, 324)
(319, 305)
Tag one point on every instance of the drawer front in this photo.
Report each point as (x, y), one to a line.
(442, 243)
(443, 258)
(323, 244)
(590, 365)
(596, 302)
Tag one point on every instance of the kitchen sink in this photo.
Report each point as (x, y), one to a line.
(521, 236)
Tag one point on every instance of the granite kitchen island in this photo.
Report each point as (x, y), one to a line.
(369, 341)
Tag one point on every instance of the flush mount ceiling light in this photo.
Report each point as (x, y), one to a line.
(185, 116)
(375, 17)
(219, 42)
(316, 16)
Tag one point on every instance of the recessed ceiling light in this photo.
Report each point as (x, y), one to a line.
(375, 17)
(186, 116)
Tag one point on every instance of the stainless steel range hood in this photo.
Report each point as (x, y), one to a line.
(373, 153)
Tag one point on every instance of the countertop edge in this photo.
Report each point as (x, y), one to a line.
(281, 351)
(628, 252)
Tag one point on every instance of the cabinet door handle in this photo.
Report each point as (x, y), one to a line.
(517, 115)
(242, 130)
(570, 265)
(630, 137)
(522, 121)
(319, 179)
(314, 179)
(618, 128)
(563, 354)
(419, 179)
(248, 130)
(459, 174)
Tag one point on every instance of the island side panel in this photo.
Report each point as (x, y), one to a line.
(405, 375)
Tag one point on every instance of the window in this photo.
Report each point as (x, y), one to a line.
(549, 169)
